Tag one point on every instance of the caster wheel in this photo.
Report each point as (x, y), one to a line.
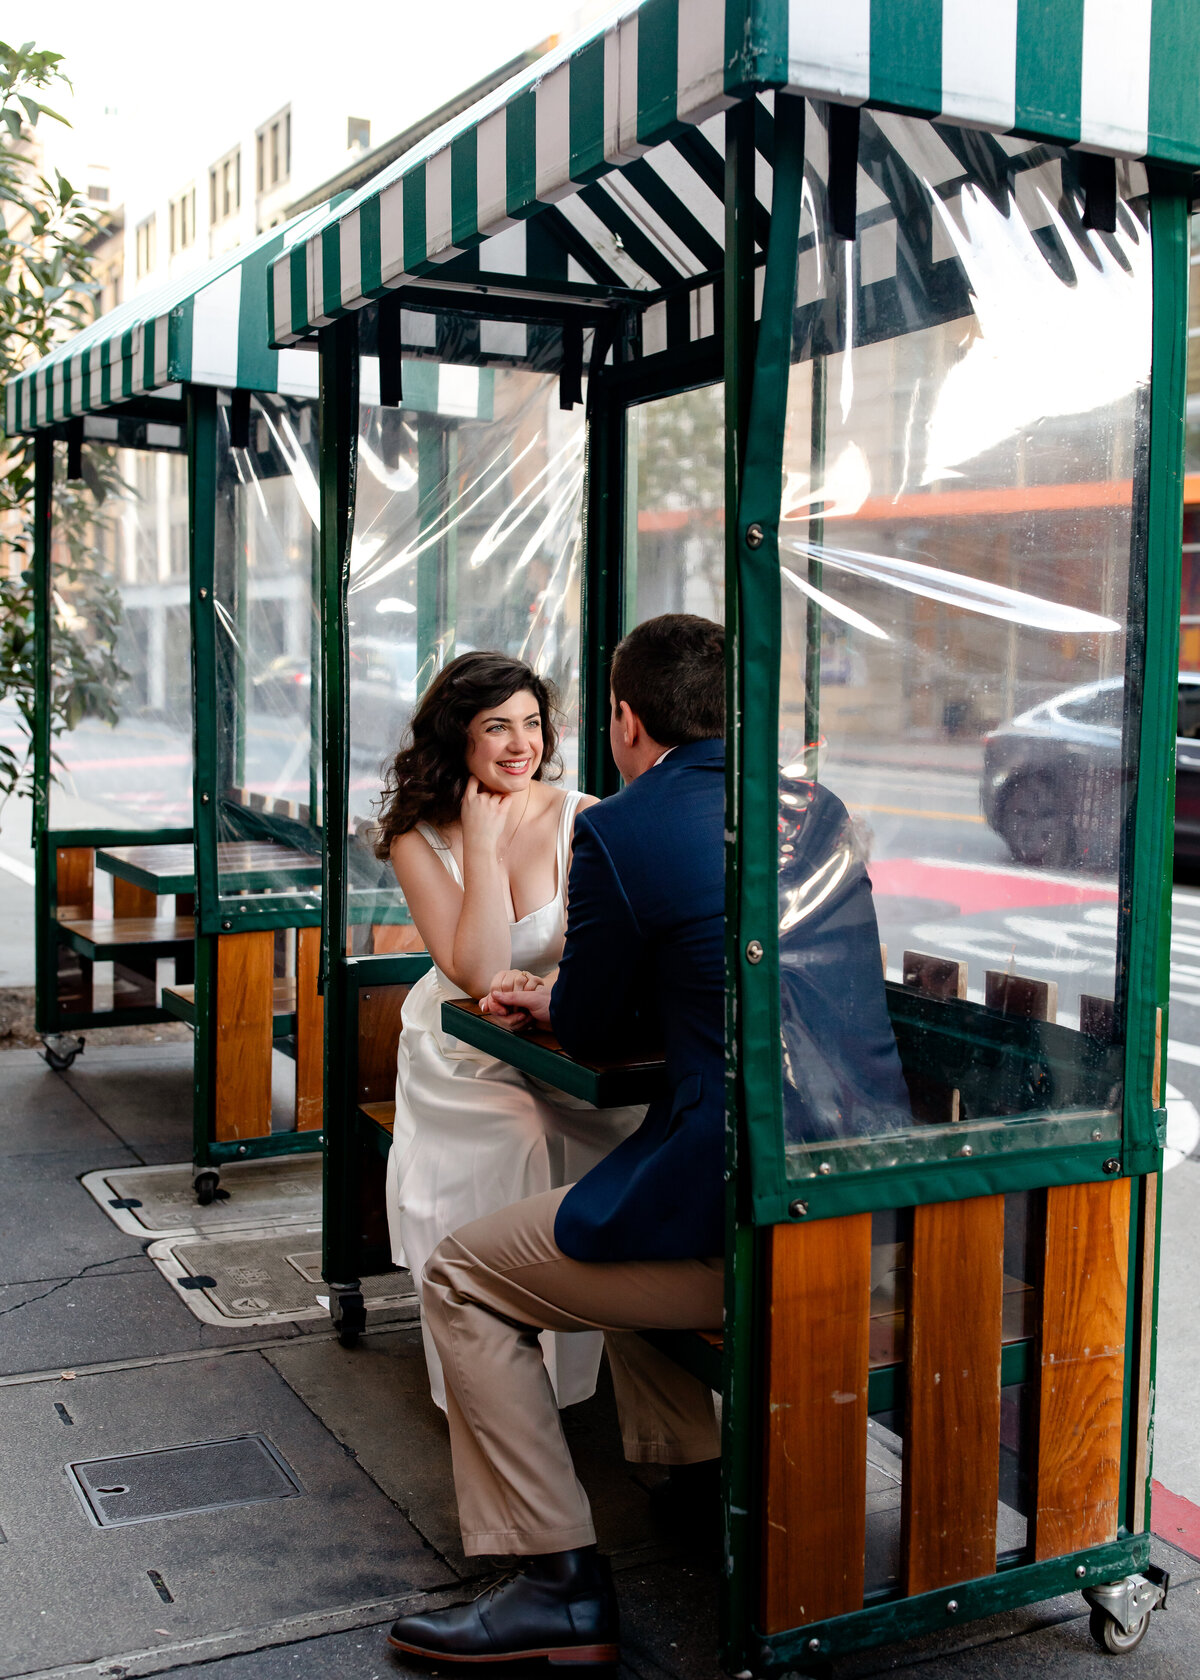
(60, 1050)
(205, 1185)
(1111, 1636)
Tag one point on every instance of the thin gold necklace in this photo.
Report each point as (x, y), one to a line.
(504, 854)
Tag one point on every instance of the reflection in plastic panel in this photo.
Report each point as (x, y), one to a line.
(266, 615)
(967, 421)
(467, 534)
(119, 642)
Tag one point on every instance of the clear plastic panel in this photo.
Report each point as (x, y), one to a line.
(467, 534)
(967, 422)
(268, 642)
(675, 535)
(120, 641)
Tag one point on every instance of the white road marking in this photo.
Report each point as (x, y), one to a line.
(21, 870)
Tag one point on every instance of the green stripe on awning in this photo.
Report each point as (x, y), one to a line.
(906, 54)
(1049, 67)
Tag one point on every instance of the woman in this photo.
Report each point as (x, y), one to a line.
(481, 846)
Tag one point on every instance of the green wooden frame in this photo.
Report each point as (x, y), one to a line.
(763, 1195)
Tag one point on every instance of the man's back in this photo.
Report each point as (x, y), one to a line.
(644, 969)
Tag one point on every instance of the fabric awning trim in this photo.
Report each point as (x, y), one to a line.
(1114, 76)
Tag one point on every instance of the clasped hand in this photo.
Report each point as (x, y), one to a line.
(517, 999)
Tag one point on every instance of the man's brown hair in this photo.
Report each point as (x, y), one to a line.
(670, 671)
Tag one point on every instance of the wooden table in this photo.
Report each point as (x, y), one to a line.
(241, 864)
(539, 1054)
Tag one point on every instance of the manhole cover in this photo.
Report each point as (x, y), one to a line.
(262, 1277)
(180, 1481)
(161, 1201)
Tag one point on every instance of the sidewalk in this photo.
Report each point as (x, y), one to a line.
(101, 1357)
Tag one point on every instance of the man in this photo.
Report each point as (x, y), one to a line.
(636, 1243)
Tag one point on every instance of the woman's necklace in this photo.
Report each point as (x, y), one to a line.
(504, 854)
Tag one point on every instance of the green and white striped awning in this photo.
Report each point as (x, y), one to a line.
(606, 156)
(209, 328)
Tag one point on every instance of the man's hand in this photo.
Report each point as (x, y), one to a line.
(532, 1005)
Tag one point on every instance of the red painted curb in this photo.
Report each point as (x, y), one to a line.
(1175, 1519)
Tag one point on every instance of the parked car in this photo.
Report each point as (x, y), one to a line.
(1050, 777)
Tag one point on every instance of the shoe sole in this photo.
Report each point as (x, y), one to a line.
(560, 1655)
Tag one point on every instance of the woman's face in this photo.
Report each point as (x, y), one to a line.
(504, 744)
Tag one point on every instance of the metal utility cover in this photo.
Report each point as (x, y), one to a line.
(181, 1481)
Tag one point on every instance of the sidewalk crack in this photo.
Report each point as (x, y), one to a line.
(65, 1283)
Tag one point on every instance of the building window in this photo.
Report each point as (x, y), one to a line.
(358, 134)
(183, 221)
(273, 152)
(225, 188)
(147, 254)
(98, 195)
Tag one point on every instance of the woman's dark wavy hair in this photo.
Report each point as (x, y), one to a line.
(428, 776)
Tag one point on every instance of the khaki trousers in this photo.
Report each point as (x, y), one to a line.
(488, 1289)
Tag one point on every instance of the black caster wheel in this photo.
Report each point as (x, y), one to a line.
(348, 1311)
(1112, 1637)
(205, 1185)
(60, 1050)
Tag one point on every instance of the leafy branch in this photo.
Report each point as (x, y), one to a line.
(47, 294)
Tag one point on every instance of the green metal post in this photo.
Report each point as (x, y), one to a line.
(756, 380)
(600, 608)
(202, 543)
(46, 944)
(338, 458)
(202, 539)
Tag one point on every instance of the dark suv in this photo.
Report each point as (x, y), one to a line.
(1049, 777)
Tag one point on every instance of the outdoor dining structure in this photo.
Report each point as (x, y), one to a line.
(864, 330)
(943, 361)
(176, 731)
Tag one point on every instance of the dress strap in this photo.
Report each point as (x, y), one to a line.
(566, 829)
(430, 834)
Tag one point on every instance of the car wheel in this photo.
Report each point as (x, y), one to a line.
(1033, 825)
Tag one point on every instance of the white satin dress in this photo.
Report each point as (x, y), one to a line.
(473, 1135)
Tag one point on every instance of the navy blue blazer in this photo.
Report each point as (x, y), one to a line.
(644, 968)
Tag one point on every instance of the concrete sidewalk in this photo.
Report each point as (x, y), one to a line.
(100, 1357)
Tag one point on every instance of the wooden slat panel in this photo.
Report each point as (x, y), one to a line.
(243, 998)
(814, 1530)
(131, 901)
(75, 886)
(1082, 1366)
(75, 881)
(952, 1446)
(378, 1038)
(135, 981)
(310, 1032)
(1143, 1415)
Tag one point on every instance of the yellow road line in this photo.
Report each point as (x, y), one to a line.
(908, 811)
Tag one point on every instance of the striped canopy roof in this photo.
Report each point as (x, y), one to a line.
(209, 327)
(603, 162)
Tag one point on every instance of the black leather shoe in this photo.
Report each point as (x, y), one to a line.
(561, 1607)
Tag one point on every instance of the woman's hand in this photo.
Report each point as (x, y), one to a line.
(515, 980)
(483, 816)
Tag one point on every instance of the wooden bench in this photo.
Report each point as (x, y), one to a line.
(115, 938)
(180, 1001)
